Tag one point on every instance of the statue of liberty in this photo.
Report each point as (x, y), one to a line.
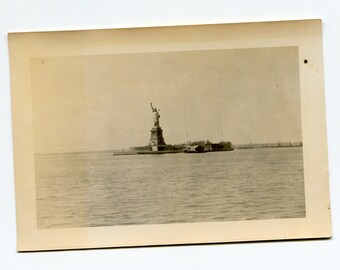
(156, 116)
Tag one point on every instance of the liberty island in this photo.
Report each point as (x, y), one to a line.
(157, 143)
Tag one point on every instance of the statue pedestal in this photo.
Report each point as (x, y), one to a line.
(157, 142)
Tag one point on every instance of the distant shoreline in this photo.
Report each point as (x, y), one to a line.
(268, 145)
(235, 146)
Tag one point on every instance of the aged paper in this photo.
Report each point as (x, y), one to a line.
(169, 135)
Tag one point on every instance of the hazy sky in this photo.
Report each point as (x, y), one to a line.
(101, 102)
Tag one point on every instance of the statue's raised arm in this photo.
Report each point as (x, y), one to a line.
(156, 116)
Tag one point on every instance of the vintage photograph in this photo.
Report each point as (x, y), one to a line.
(169, 137)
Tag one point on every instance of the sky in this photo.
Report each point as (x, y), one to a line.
(102, 102)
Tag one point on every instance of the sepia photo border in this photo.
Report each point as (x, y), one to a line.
(306, 34)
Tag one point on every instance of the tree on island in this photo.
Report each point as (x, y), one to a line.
(225, 145)
(201, 142)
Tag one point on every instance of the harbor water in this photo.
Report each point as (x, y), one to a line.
(99, 189)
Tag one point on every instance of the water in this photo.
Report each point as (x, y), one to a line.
(98, 189)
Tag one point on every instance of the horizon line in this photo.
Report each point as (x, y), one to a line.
(109, 150)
